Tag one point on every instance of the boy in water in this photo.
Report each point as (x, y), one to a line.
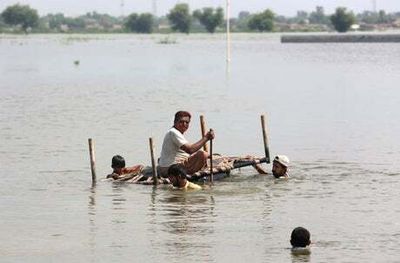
(119, 169)
(300, 240)
(177, 176)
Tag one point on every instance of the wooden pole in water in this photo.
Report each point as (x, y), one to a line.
(153, 161)
(203, 131)
(92, 160)
(228, 31)
(265, 138)
(211, 161)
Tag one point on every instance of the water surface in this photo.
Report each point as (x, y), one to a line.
(332, 108)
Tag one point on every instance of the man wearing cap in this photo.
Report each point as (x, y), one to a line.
(280, 166)
(176, 149)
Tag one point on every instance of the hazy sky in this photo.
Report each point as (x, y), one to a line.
(113, 7)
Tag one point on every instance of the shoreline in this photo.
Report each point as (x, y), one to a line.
(342, 38)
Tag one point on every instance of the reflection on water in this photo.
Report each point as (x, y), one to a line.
(300, 258)
(187, 217)
(92, 221)
(182, 211)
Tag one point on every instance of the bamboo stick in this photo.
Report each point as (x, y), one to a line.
(153, 162)
(241, 164)
(236, 165)
(203, 131)
(228, 31)
(211, 161)
(92, 160)
(265, 139)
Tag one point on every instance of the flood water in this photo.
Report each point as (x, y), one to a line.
(332, 108)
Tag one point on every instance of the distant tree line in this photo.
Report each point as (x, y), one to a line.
(21, 15)
(23, 18)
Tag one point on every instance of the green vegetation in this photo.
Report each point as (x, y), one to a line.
(20, 15)
(240, 24)
(88, 23)
(167, 41)
(180, 18)
(342, 20)
(2, 24)
(318, 16)
(22, 18)
(262, 22)
(210, 18)
(142, 23)
(380, 17)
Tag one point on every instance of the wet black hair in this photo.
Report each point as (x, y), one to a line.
(117, 161)
(300, 237)
(177, 170)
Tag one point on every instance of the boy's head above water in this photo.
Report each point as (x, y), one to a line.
(177, 175)
(117, 163)
(300, 237)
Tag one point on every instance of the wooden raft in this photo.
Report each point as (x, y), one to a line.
(222, 166)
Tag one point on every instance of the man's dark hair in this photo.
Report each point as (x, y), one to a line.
(300, 237)
(181, 114)
(177, 170)
(117, 161)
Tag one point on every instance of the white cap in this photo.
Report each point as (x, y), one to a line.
(282, 159)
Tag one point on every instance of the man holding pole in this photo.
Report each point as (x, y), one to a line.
(176, 149)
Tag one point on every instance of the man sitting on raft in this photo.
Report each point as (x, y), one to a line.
(176, 149)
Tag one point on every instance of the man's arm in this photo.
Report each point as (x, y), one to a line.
(260, 169)
(192, 148)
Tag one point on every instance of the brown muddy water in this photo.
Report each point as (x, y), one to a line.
(332, 108)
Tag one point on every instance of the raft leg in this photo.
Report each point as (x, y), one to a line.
(153, 162)
(203, 131)
(211, 161)
(265, 138)
(92, 160)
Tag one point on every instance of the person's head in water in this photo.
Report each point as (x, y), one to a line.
(300, 237)
(280, 166)
(177, 175)
(117, 163)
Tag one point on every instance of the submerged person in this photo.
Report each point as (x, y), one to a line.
(176, 149)
(280, 166)
(177, 177)
(300, 241)
(119, 169)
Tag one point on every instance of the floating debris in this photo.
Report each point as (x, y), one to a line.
(167, 40)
